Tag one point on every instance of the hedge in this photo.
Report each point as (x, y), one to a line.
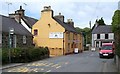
(117, 48)
(22, 55)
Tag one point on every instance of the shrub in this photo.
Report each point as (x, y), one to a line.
(19, 55)
(5, 56)
(118, 50)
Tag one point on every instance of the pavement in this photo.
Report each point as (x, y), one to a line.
(11, 65)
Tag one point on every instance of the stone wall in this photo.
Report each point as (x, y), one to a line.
(19, 41)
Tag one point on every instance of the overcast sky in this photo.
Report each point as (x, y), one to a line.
(80, 11)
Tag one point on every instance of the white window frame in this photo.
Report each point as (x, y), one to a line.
(24, 39)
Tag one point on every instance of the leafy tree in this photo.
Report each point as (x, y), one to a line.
(101, 21)
(116, 30)
(78, 29)
(116, 21)
(86, 33)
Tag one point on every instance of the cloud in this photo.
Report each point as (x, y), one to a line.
(80, 11)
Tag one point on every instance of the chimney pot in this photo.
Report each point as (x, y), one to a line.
(20, 7)
(59, 13)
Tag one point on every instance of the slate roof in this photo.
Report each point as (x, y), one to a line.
(102, 29)
(8, 22)
(68, 27)
(29, 21)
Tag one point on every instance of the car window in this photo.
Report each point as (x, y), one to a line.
(106, 47)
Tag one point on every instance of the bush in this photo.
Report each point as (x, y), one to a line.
(5, 56)
(86, 48)
(22, 55)
(118, 50)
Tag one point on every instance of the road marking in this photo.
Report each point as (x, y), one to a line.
(35, 69)
(49, 64)
(48, 71)
(42, 69)
(28, 64)
(10, 71)
(58, 67)
(55, 65)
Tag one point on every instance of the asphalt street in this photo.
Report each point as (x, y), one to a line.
(87, 61)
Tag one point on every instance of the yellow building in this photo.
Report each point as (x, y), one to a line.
(60, 37)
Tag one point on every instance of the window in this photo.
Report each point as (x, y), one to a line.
(106, 36)
(35, 32)
(98, 36)
(24, 39)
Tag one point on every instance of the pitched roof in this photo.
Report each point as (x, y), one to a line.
(29, 21)
(8, 22)
(68, 27)
(102, 29)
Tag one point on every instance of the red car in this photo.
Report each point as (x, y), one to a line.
(106, 50)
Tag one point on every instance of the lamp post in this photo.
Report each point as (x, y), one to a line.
(11, 32)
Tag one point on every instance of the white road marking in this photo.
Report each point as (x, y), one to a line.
(42, 69)
(58, 67)
(48, 71)
(54, 65)
(49, 64)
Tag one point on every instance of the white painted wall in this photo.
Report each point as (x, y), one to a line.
(92, 40)
(25, 25)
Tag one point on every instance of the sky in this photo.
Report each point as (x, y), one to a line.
(80, 11)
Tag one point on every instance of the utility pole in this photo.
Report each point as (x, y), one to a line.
(8, 3)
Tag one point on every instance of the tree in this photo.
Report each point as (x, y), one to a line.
(116, 29)
(86, 33)
(78, 29)
(116, 21)
(101, 21)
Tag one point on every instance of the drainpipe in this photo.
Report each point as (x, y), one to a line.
(63, 41)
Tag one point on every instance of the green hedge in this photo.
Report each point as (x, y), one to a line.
(117, 48)
(22, 55)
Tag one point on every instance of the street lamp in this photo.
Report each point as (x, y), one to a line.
(11, 32)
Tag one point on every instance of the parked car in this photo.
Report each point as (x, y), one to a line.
(106, 50)
(92, 49)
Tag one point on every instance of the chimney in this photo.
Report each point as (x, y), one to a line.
(16, 16)
(20, 11)
(60, 17)
(47, 12)
(70, 21)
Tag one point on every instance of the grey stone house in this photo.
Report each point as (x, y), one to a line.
(16, 30)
